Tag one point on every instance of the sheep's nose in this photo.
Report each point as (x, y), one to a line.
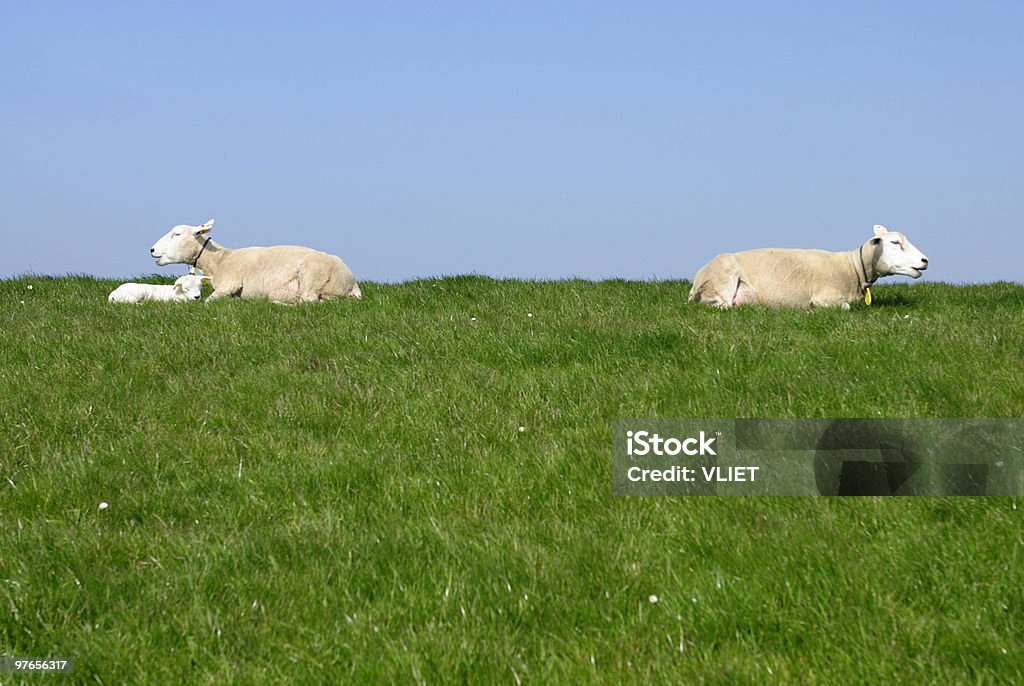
(924, 261)
(152, 251)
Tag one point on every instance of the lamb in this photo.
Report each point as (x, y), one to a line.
(185, 289)
(780, 277)
(284, 274)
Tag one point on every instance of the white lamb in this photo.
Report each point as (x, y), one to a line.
(185, 289)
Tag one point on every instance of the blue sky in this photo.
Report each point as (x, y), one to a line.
(528, 139)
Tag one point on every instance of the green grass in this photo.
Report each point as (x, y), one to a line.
(343, 493)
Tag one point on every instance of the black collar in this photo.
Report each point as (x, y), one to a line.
(195, 262)
(866, 284)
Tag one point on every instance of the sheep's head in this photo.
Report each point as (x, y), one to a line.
(190, 287)
(892, 253)
(181, 245)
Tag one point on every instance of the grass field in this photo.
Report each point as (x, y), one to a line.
(416, 488)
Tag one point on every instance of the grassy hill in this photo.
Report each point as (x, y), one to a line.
(417, 488)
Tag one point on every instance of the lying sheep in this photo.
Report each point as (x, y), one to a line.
(780, 277)
(185, 289)
(284, 273)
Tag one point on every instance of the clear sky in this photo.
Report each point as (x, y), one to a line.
(530, 139)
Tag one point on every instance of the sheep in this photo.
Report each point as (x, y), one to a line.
(780, 277)
(284, 274)
(185, 289)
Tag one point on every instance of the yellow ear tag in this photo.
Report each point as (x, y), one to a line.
(867, 296)
(192, 271)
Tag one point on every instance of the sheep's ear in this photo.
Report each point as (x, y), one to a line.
(879, 230)
(205, 279)
(876, 240)
(205, 228)
(178, 287)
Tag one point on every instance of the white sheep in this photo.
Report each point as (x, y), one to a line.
(185, 289)
(782, 277)
(284, 273)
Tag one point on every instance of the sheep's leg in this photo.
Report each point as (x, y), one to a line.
(288, 293)
(225, 290)
(319, 289)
